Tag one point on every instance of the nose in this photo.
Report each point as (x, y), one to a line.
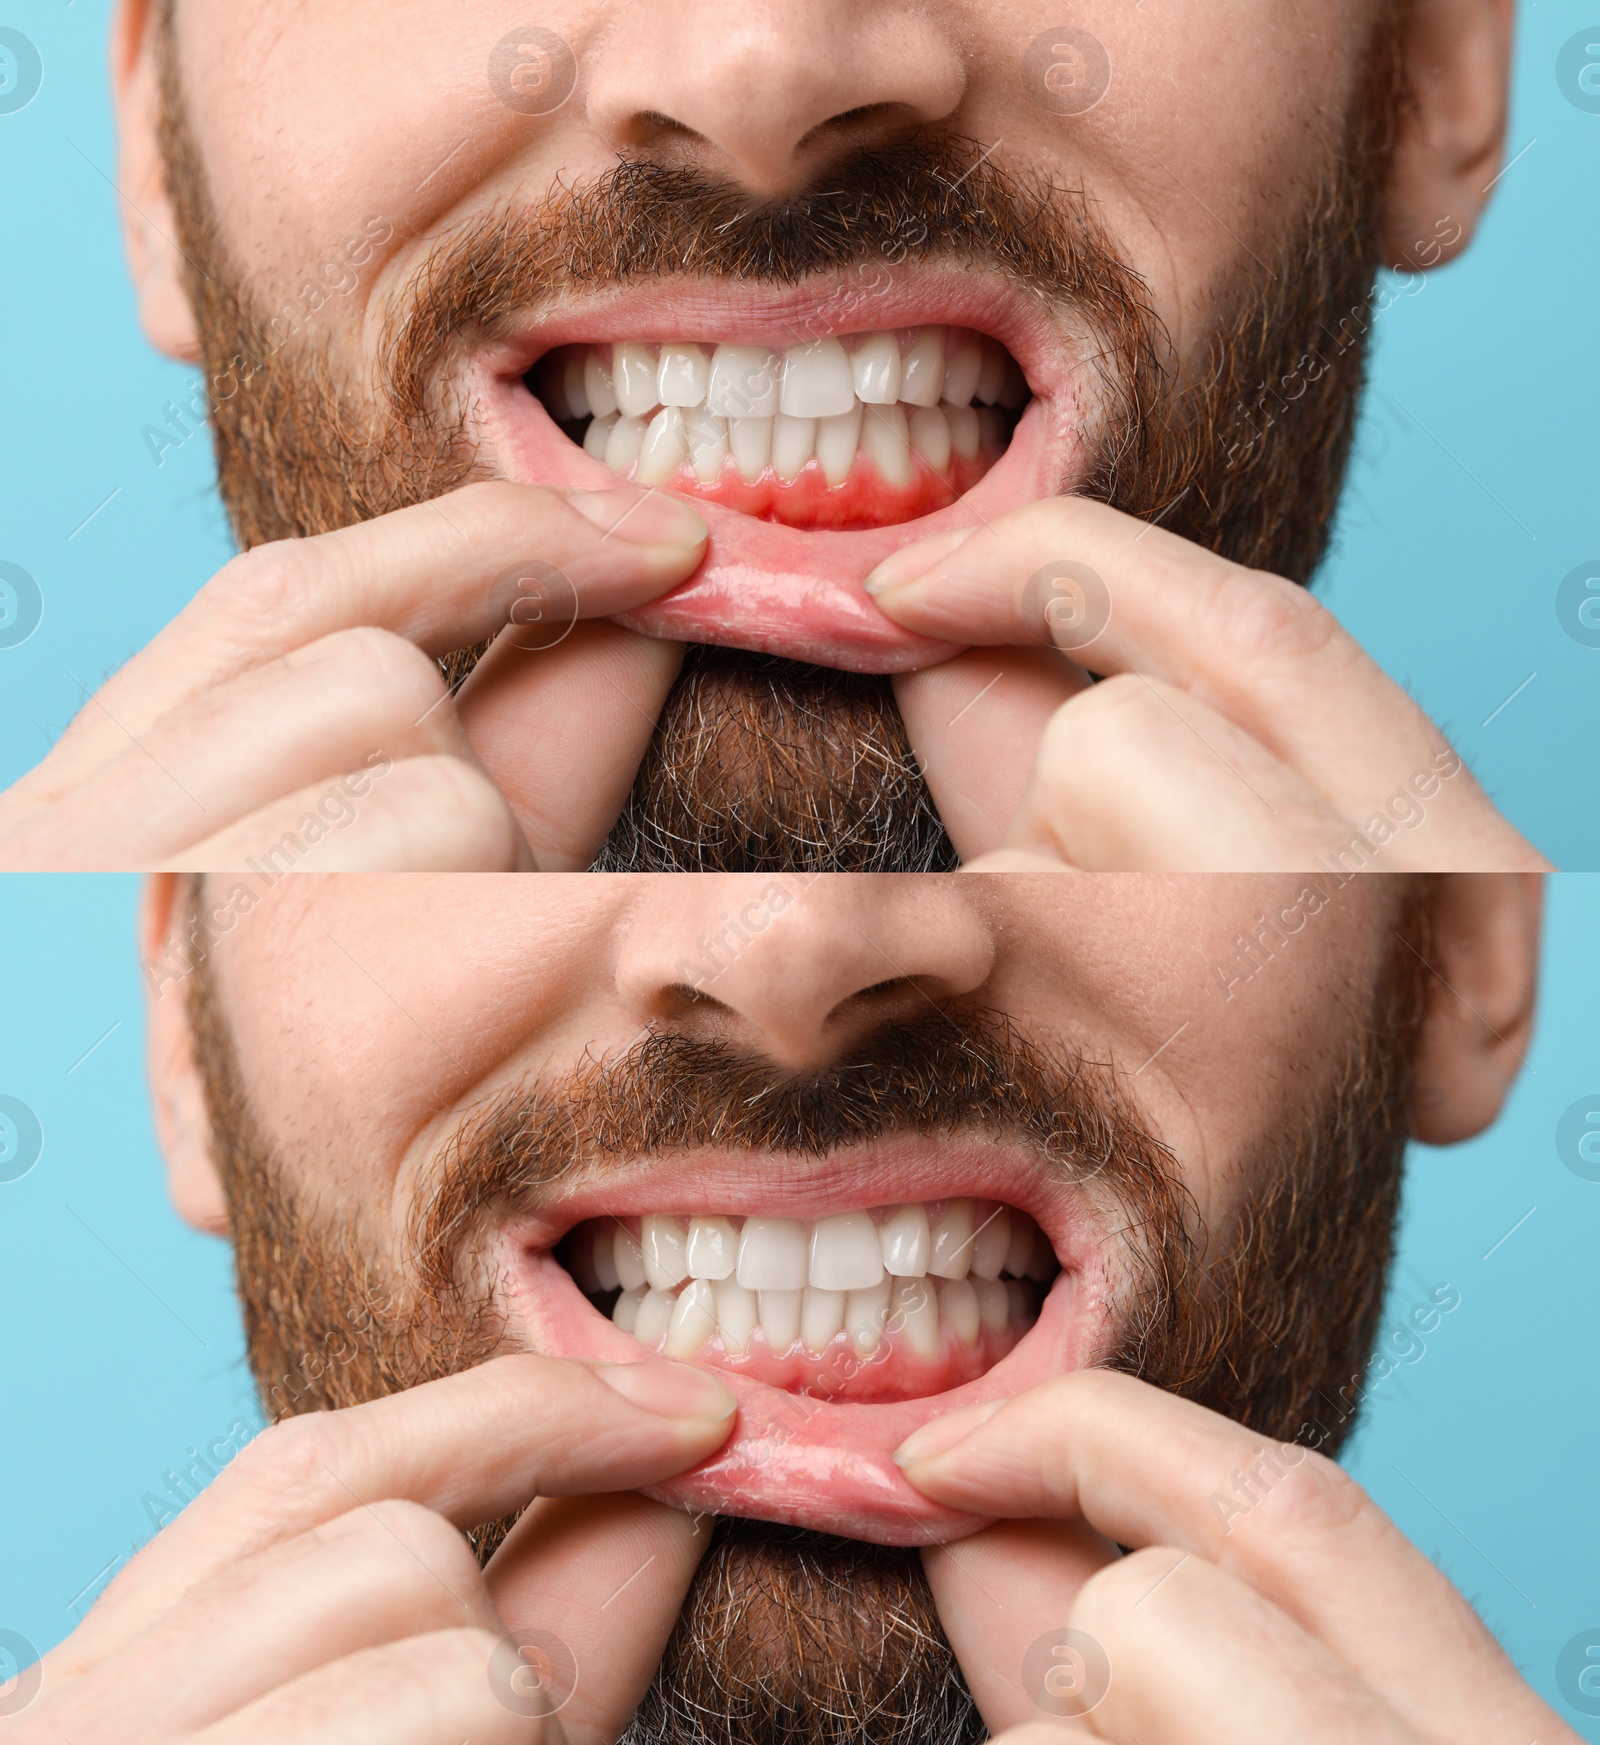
(769, 93)
(799, 971)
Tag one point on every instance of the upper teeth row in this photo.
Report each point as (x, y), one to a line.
(846, 1252)
(817, 379)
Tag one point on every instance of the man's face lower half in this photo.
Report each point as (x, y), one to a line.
(872, 1148)
(842, 275)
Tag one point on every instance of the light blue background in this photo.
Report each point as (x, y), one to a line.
(124, 1348)
(1473, 495)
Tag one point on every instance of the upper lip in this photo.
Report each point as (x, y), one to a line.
(784, 316)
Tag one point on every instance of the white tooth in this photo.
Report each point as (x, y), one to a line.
(780, 1318)
(994, 1306)
(865, 1313)
(952, 1242)
(598, 387)
(992, 1243)
(694, 1320)
(837, 442)
(751, 442)
(552, 377)
(744, 381)
(958, 1308)
(992, 374)
(886, 436)
(603, 1257)
(655, 1317)
(772, 1255)
(598, 435)
(991, 428)
(821, 1317)
(683, 374)
(914, 1311)
(572, 384)
(1042, 1265)
(662, 1240)
(736, 1314)
(713, 1247)
(1014, 389)
(666, 448)
(626, 1312)
(875, 369)
(630, 1259)
(816, 380)
(963, 361)
(922, 368)
(1019, 1246)
(930, 436)
(844, 1253)
(905, 1241)
(707, 437)
(624, 443)
(1019, 1300)
(794, 441)
(963, 422)
(633, 376)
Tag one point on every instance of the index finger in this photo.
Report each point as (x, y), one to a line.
(1120, 596)
(444, 574)
(1147, 1468)
(472, 1447)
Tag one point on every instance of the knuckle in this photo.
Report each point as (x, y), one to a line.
(392, 662)
(261, 585)
(1261, 616)
(1315, 1496)
(290, 1458)
(1115, 1590)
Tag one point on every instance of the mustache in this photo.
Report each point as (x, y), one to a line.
(924, 199)
(953, 1074)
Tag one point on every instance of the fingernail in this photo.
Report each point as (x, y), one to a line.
(674, 1390)
(942, 1434)
(640, 517)
(912, 562)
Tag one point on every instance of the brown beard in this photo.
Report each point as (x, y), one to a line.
(1269, 1320)
(1242, 451)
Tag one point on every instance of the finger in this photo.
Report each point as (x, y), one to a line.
(1144, 1467)
(345, 702)
(998, 1591)
(1197, 1657)
(597, 1583)
(975, 723)
(472, 1447)
(426, 814)
(1254, 646)
(1134, 774)
(374, 1575)
(443, 574)
(564, 731)
(428, 1690)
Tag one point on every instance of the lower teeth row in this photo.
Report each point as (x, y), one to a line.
(651, 451)
(681, 1322)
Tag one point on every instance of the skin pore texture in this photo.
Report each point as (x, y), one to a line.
(397, 1157)
(1148, 272)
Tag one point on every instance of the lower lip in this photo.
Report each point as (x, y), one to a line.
(806, 1462)
(769, 588)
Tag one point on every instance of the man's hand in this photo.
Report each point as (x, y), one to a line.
(1238, 727)
(300, 684)
(1267, 1597)
(322, 1591)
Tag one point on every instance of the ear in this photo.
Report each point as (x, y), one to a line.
(148, 226)
(1483, 982)
(183, 1128)
(1452, 134)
